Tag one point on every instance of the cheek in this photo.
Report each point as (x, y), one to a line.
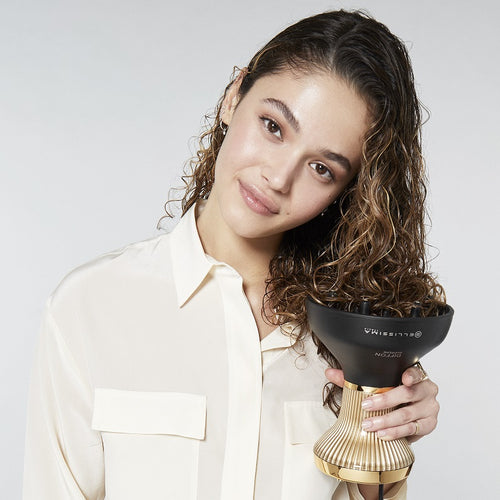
(242, 144)
(308, 207)
(313, 201)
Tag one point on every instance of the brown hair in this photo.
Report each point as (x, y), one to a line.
(370, 244)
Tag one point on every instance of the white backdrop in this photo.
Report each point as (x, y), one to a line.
(98, 100)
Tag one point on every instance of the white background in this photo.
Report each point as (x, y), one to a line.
(98, 100)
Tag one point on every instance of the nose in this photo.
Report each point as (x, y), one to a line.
(280, 173)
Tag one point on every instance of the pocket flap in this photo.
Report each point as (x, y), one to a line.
(306, 421)
(136, 412)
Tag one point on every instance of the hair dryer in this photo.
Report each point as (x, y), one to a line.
(373, 351)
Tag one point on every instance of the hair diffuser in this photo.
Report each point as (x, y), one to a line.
(373, 352)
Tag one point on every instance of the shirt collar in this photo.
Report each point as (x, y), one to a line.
(280, 338)
(190, 266)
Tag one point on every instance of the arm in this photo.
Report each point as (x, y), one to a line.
(63, 456)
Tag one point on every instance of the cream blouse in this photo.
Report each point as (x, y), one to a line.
(151, 383)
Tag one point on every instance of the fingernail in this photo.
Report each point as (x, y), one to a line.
(366, 424)
(381, 434)
(366, 404)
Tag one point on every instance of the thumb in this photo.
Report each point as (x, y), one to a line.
(335, 376)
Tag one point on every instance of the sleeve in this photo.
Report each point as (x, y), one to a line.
(63, 455)
(350, 491)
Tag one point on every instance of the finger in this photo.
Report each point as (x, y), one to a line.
(335, 376)
(396, 418)
(425, 426)
(402, 394)
(414, 375)
(426, 411)
(395, 397)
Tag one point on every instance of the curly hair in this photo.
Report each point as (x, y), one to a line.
(370, 243)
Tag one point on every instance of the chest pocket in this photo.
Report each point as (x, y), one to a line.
(305, 422)
(151, 442)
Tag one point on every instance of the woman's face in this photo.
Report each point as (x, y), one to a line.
(293, 144)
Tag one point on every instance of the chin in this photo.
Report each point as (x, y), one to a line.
(254, 232)
(248, 226)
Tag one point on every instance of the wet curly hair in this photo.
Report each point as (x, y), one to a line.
(370, 243)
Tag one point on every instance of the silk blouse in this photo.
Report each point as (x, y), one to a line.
(150, 382)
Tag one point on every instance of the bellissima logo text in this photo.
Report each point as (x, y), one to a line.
(375, 331)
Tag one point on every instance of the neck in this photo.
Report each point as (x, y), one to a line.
(250, 257)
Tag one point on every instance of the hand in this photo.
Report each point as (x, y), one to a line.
(419, 412)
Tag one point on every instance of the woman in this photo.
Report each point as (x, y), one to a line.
(182, 367)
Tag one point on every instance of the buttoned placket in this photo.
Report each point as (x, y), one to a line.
(245, 388)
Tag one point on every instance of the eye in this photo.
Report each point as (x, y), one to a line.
(271, 126)
(322, 170)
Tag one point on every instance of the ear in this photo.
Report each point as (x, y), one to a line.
(232, 98)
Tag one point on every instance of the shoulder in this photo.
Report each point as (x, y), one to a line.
(114, 272)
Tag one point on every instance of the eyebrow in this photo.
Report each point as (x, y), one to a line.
(338, 158)
(285, 111)
(290, 118)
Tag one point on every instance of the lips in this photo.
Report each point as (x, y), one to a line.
(256, 200)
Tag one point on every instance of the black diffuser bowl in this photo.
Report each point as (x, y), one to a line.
(373, 351)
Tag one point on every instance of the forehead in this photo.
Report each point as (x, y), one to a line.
(330, 113)
(312, 88)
